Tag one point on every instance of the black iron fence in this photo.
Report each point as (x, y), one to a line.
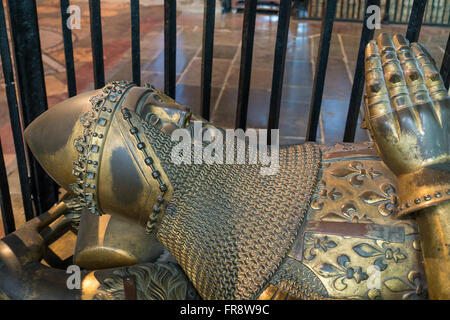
(38, 189)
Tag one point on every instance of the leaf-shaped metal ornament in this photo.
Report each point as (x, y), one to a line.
(372, 198)
(366, 250)
(397, 285)
(332, 216)
(327, 270)
(342, 172)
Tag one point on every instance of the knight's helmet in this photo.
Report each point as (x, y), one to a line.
(228, 226)
(89, 148)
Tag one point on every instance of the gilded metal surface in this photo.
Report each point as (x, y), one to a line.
(272, 292)
(154, 281)
(113, 241)
(228, 226)
(297, 281)
(304, 233)
(90, 144)
(408, 111)
(23, 276)
(351, 241)
(149, 159)
(434, 227)
(113, 174)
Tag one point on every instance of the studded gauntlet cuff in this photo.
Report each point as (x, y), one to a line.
(424, 188)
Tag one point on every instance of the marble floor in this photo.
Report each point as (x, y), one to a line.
(303, 44)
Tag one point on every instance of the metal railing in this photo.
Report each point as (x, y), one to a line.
(39, 191)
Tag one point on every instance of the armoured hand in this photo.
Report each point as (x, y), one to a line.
(407, 110)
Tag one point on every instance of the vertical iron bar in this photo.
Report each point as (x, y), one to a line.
(14, 117)
(341, 14)
(284, 14)
(402, 11)
(5, 198)
(427, 10)
(443, 12)
(207, 56)
(248, 34)
(395, 10)
(358, 79)
(97, 43)
(321, 69)
(68, 49)
(415, 20)
(445, 68)
(346, 9)
(170, 46)
(358, 9)
(386, 11)
(226, 6)
(31, 85)
(408, 8)
(353, 10)
(135, 42)
(433, 6)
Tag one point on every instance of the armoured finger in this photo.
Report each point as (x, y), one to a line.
(377, 98)
(412, 73)
(393, 74)
(377, 103)
(432, 77)
(426, 52)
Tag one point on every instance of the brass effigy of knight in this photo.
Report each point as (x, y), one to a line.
(333, 221)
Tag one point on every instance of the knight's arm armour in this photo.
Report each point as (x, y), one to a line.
(408, 111)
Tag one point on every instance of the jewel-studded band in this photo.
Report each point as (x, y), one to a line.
(89, 145)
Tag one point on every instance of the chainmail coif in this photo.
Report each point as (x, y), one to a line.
(228, 226)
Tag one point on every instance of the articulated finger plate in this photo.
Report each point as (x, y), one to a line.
(407, 110)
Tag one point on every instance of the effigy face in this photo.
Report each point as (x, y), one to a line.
(245, 220)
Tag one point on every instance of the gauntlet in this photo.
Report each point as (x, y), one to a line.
(407, 112)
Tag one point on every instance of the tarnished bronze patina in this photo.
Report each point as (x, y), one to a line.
(408, 112)
(334, 222)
